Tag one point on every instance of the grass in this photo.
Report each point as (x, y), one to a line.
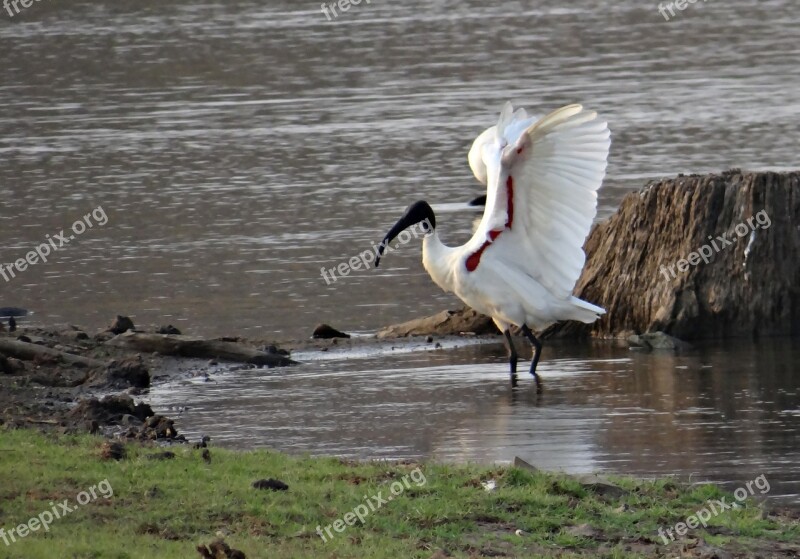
(165, 508)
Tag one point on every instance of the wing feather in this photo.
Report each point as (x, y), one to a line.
(554, 168)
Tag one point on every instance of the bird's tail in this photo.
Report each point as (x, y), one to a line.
(583, 311)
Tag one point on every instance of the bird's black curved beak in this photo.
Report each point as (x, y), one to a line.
(418, 212)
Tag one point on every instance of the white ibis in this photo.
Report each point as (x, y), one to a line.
(523, 261)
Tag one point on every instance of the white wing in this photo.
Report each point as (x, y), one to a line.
(542, 193)
(519, 122)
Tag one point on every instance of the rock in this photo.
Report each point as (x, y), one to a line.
(121, 324)
(159, 427)
(169, 330)
(272, 484)
(446, 323)
(747, 287)
(326, 332)
(276, 350)
(110, 409)
(128, 372)
(658, 340)
(523, 465)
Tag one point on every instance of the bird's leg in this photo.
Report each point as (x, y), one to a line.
(512, 357)
(537, 346)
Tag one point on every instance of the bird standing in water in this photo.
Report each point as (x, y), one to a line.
(523, 261)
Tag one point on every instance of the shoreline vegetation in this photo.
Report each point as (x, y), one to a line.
(187, 501)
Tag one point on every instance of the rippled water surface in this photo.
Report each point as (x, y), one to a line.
(237, 147)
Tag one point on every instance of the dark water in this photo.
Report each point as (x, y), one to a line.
(237, 147)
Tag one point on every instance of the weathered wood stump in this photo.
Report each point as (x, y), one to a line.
(711, 256)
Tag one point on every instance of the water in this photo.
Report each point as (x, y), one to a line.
(727, 413)
(237, 147)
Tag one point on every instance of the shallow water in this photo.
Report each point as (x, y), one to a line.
(237, 147)
(726, 414)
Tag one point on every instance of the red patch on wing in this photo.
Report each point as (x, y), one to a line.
(510, 206)
(475, 258)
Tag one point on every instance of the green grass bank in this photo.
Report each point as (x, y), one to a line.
(140, 507)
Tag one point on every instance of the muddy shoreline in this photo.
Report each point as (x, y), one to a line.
(42, 391)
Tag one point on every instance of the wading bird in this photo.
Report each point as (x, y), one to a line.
(524, 259)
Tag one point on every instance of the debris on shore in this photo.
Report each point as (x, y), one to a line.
(51, 378)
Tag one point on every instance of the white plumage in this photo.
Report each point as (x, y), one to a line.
(523, 261)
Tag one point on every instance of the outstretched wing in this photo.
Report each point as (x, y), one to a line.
(542, 182)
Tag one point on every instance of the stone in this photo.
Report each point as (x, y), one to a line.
(658, 340)
(272, 484)
(121, 324)
(326, 332)
(128, 372)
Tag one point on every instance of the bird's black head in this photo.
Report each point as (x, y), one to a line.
(418, 212)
